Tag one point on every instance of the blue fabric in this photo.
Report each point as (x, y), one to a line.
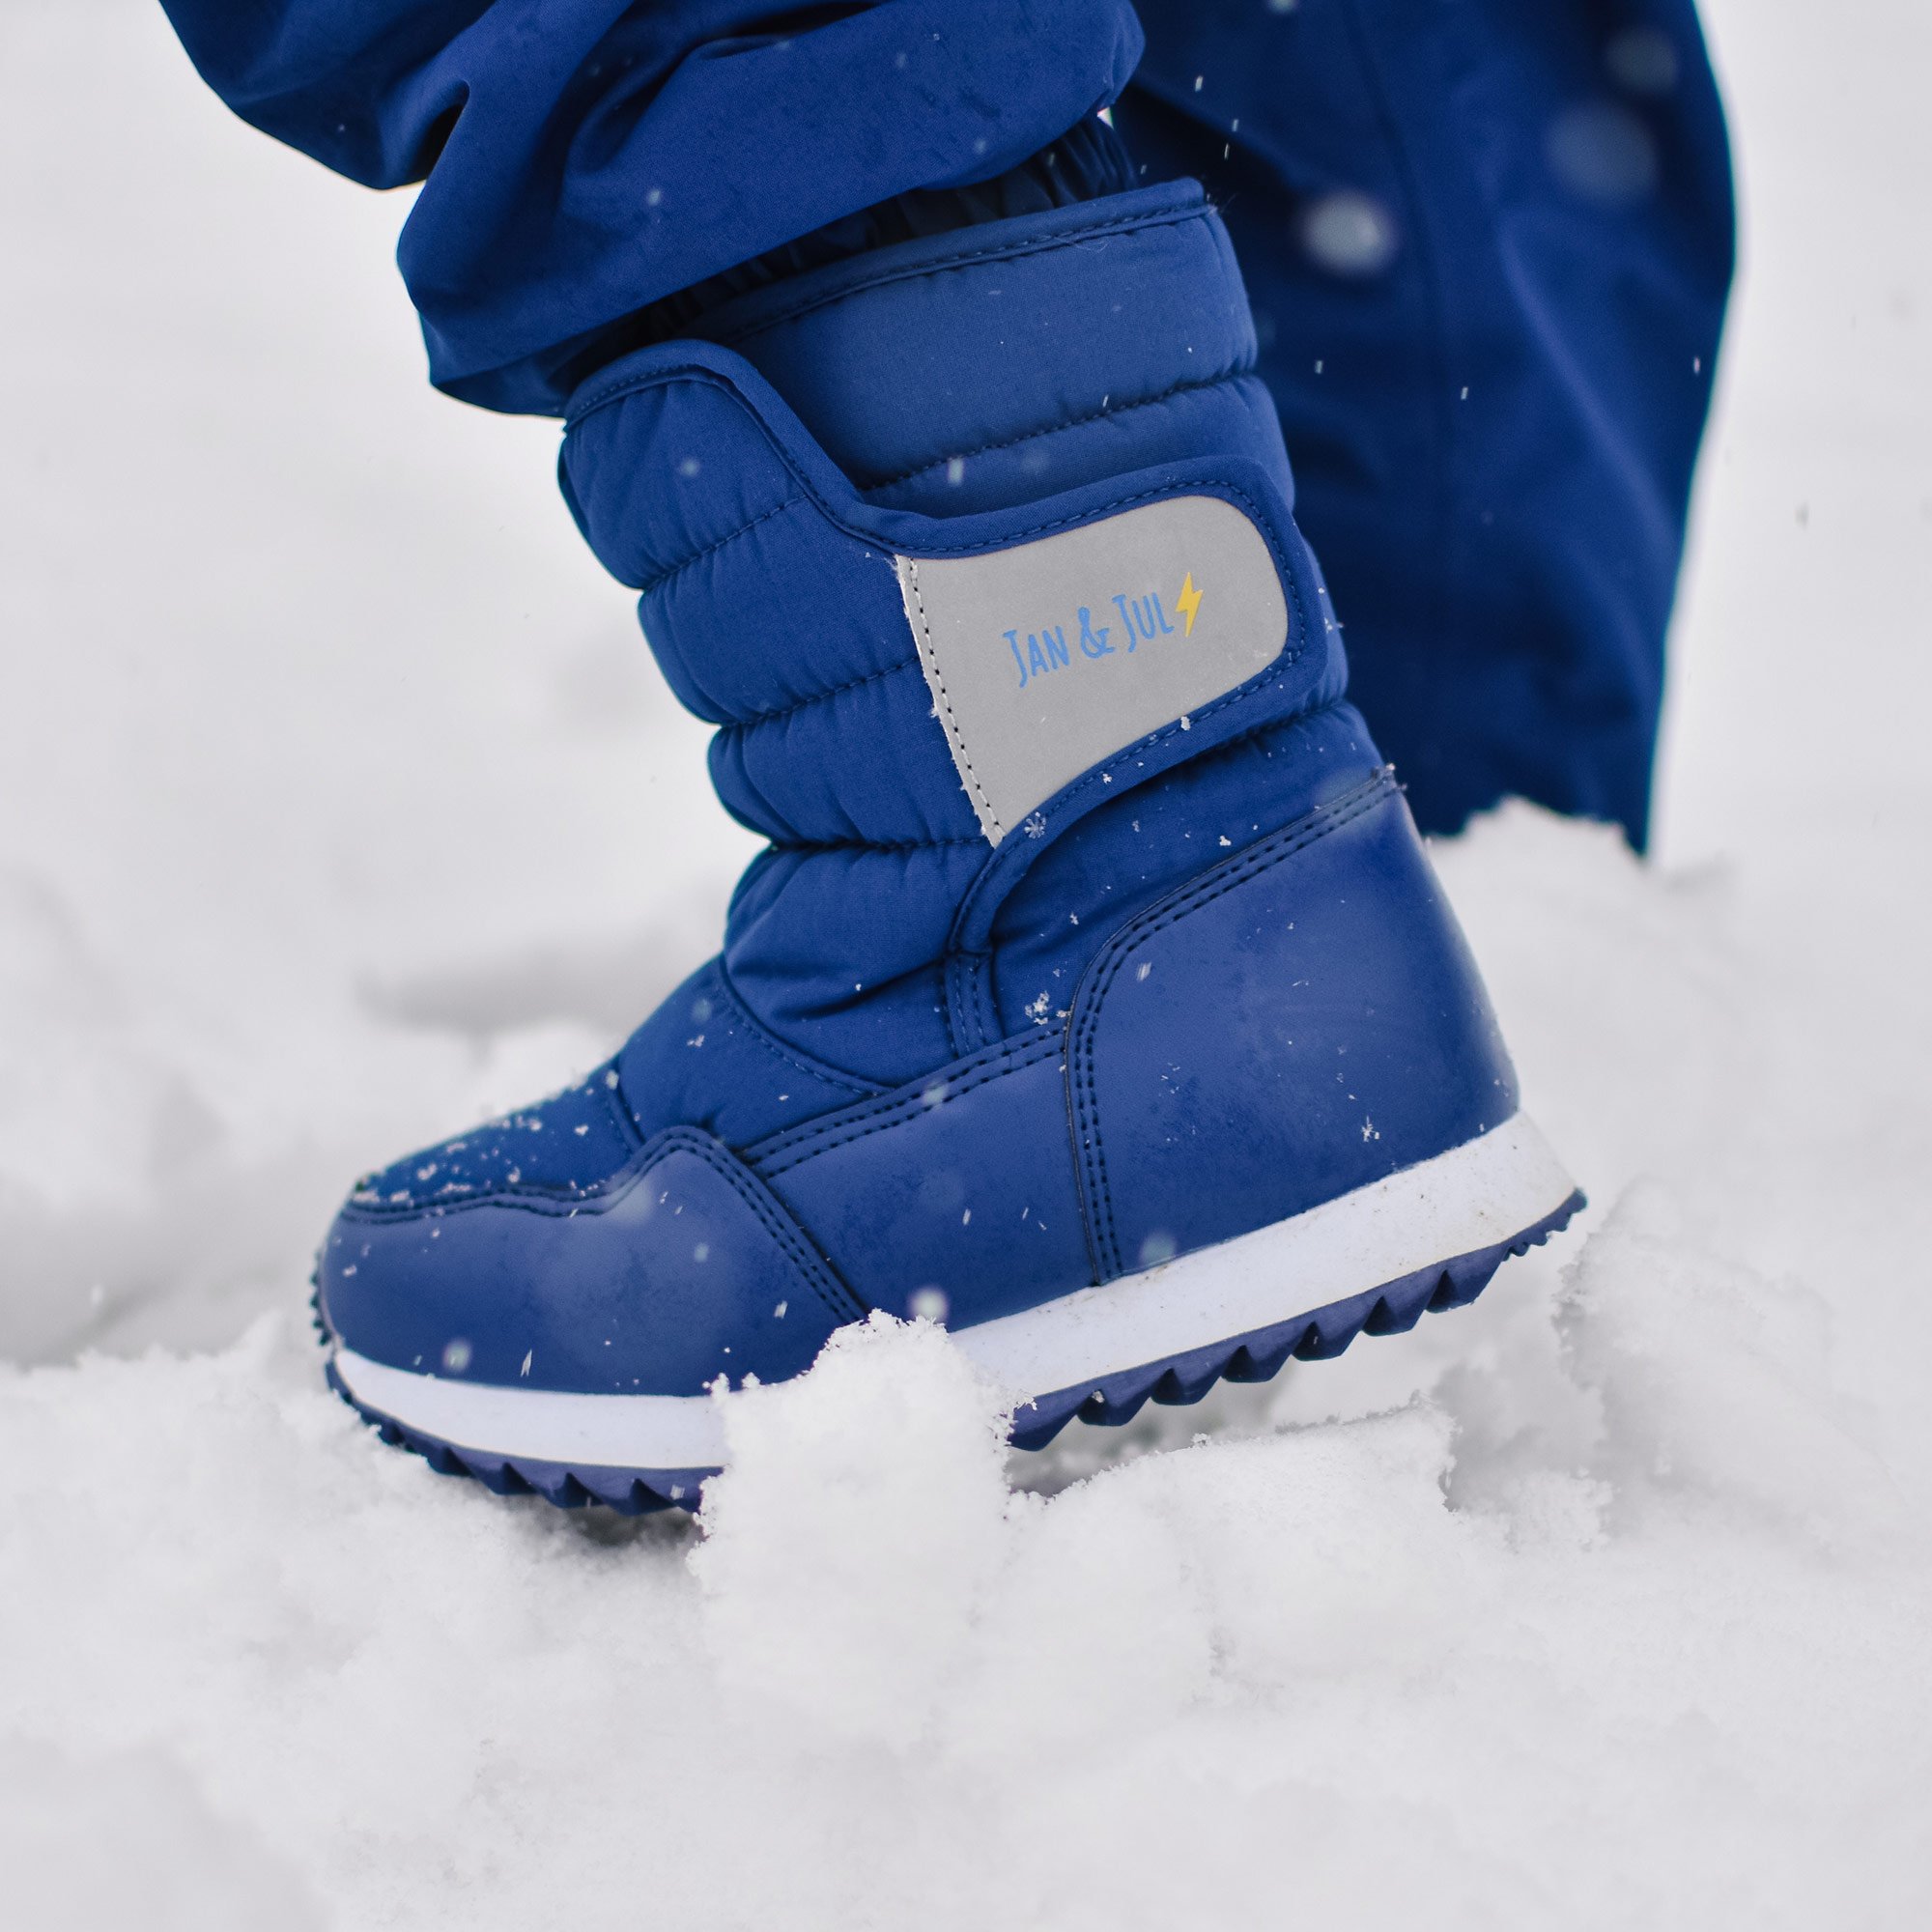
(558, 1149)
(674, 214)
(885, 356)
(1488, 247)
(768, 595)
(1047, 1161)
(1310, 989)
(962, 1181)
(675, 1268)
(768, 592)
(585, 158)
(1308, 1009)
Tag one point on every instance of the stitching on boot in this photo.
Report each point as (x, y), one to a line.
(618, 1106)
(1008, 252)
(664, 577)
(756, 718)
(1082, 1078)
(869, 844)
(955, 971)
(695, 376)
(972, 1018)
(1007, 865)
(811, 1267)
(783, 1151)
(929, 657)
(985, 1006)
(828, 1076)
(1187, 389)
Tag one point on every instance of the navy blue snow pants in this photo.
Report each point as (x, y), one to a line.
(1488, 243)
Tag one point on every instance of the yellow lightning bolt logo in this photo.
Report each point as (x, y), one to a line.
(1187, 602)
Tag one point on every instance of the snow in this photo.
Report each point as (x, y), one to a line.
(338, 804)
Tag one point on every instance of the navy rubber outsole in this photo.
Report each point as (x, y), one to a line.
(1110, 1400)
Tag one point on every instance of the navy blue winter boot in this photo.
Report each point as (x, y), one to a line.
(1093, 993)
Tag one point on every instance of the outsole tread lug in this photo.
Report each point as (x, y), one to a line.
(1110, 1402)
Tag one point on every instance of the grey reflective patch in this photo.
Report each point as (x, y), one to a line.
(1045, 658)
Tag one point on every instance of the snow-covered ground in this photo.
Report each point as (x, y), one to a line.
(1604, 1603)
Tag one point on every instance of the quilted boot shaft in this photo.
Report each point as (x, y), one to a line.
(772, 491)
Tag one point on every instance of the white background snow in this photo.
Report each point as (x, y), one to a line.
(339, 804)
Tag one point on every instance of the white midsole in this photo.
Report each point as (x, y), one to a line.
(1474, 1196)
(605, 1432)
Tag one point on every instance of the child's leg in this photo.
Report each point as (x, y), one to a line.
(1488, 247)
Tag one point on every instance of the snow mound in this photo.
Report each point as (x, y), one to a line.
(1600, 1604)
(855, 1533)
(128, 1840)
(1616, 1618)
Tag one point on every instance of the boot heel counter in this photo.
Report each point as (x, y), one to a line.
(1301, 1021)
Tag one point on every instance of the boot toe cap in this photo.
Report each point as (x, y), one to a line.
(555, 1250)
